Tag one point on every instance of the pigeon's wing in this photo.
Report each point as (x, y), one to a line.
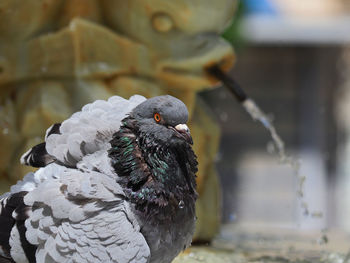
(89, 130)
(83, 217)
(109, 236)
(85, 132)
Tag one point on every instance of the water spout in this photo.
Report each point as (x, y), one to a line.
(229, 83)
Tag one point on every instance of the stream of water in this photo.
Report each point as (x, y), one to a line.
(258, 115)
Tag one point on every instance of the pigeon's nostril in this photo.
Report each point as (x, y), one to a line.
(182, 128)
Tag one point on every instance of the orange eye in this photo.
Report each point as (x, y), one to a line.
(157, 117)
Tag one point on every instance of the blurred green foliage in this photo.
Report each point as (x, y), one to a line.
(232, 33)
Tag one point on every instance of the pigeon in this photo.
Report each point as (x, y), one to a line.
(116, 183)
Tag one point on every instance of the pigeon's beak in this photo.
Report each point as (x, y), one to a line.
(184, 131)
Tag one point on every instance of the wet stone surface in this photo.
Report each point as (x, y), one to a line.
(205, 254)
(209, 255)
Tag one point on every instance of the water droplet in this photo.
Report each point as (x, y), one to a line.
(233, 217)
(218, 157)
(181, 204)
(224, 116)
(305, 208)
(323, 240)
(271, 148)
(223, 95)
(317, 214)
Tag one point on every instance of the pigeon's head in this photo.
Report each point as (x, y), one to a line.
(164, 118)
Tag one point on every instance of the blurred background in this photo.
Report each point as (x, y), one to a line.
(293, 59)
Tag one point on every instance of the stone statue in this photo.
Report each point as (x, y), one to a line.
(57, 55)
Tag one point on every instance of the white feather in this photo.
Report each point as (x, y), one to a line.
(25, 156)
(16, 251)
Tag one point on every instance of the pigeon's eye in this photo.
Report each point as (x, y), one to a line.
(157, 117)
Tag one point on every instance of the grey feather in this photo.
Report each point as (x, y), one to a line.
(62, 227)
